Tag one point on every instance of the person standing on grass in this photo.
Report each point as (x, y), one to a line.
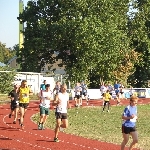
(78, 95)
(103, 90)
(24, 92)
(107, 98)
(116, 88)
(129, 122)
(13, 95)
(61, 102)
(45, 99)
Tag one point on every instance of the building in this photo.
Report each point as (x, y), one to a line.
(48, 68)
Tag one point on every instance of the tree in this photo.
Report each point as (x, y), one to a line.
(139, 32)
(93, 32)
(6, 79)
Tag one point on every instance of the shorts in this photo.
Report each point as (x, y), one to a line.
(24, 105)
(110, 94)
(60, 115)
(13, 107)
(84, 93)
(78, 96)
(121, 92)
(44, 110)
(128, 130)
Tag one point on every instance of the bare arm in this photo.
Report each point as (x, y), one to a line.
(55, 101)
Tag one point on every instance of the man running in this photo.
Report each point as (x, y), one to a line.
(13, 95)
(45, 98)
(24, 92)
(129, 117)
(61, 102)
(84, 91)
(78, 92)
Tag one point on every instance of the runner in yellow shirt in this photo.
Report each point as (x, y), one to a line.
(107, 98)
(24, 92)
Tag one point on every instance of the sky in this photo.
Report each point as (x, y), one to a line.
(9, 25)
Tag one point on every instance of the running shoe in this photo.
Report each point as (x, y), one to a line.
(56, 140)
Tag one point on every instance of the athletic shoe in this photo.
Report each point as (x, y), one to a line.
(102, 110)
(22, 126)
(14, 122)
(107, 110)
(9, 115)
(56, 140)
(39, 126)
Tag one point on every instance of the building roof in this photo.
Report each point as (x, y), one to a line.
(2, 64)
(15, 57)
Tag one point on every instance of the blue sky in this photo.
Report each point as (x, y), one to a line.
(9, 32)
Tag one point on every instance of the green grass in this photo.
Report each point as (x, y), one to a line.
(92, 123)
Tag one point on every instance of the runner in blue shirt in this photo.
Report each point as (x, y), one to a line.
(129, 121)
(42, 87)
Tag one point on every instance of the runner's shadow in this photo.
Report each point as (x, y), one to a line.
(5, 139)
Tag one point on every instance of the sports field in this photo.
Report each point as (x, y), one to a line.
(91, 122)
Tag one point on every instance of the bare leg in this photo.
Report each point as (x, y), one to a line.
(58, 124)
(135, 139)
(16, 114)
(125, 140)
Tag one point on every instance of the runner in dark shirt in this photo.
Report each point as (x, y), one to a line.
(14, 106)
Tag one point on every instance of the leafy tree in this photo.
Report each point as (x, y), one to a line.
(139, 32)
(88, 36)
(6, 79)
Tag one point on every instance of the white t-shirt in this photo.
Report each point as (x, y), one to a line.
(64, 98)
(103, 89)
(45, 102)
(77, 90)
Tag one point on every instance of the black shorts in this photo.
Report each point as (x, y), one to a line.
(121, 92)
(110, 94)
(78, 96)
(128, 130)
(84, 93)
(13, 106)
(24, 105)
(60, 115)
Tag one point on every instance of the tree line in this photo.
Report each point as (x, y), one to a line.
(96, 40)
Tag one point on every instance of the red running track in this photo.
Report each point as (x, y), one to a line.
(12, 138)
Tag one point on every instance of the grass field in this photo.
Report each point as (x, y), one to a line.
(92, 123)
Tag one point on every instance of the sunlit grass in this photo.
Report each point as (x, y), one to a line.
(92, 123)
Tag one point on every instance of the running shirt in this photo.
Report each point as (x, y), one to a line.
(45, 102)
(42, 87)
(84, 88)
(110, 88)
(24, 94)
(64, 98)
(107, 96)
(129, 111)
(103, 89)
(78, 90)
(15, 96)
(57, 88)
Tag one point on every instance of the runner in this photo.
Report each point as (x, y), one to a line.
(61, 102)
(84, 92)
(78, 91)
(57, 87)
(42, 87)
(45, 98)
(103, 90)
(116, 88)
(24, 92)
(13, 95)
(107, 98)
(129, 121)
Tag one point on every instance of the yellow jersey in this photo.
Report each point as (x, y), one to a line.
(107, 96)
(24, 94)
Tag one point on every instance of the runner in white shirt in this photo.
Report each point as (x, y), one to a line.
(45, 98)
(78, 95)
(61, 102)
(103, 90)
